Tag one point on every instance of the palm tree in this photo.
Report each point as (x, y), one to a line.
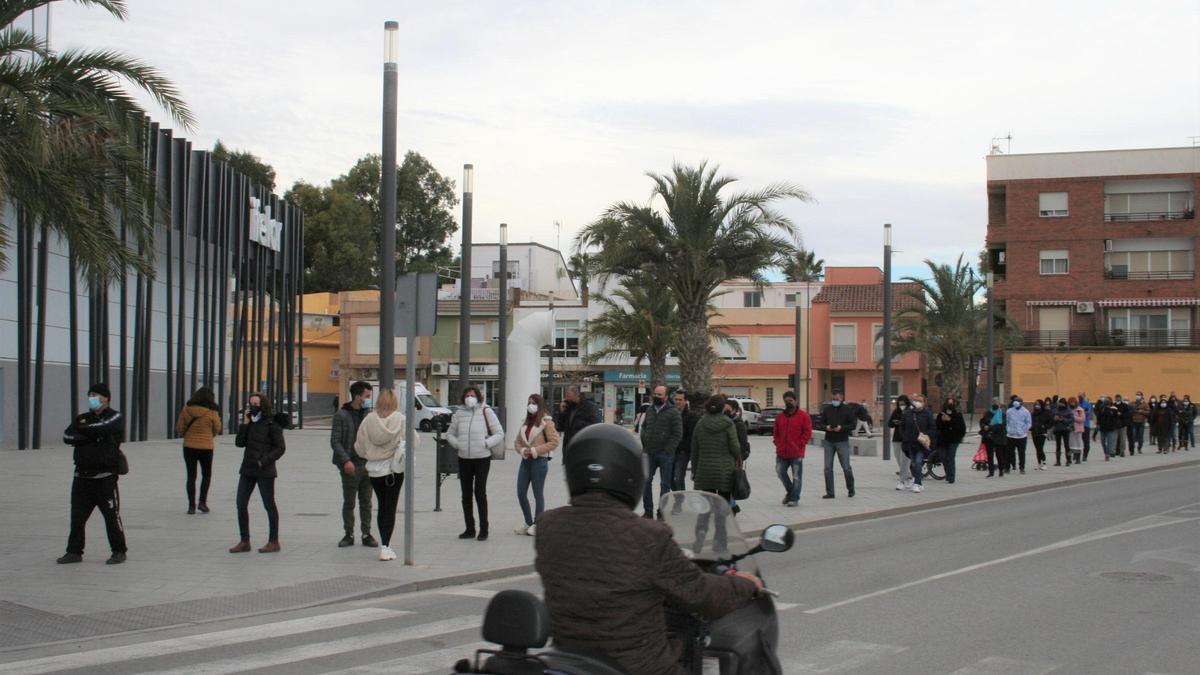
(949, 323)
(71, 142)
(697, 240)
(804, 267)
(636, 320)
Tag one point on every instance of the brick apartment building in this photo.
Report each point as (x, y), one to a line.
(1096, 251)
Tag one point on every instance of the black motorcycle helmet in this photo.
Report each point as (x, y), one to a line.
(607, 458)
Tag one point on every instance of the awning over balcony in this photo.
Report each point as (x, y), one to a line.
(1050, 303)
(1150, 302)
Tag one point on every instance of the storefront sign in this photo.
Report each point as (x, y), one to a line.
(264, 229)
(477, 370)
(634, 378)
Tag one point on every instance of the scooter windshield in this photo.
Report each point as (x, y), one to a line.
(705, 528)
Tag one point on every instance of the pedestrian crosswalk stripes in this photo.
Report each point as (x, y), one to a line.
(996, 665)
(382, 638)
(440, 661)
(188, 643)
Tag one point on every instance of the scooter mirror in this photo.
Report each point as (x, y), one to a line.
(777, 539)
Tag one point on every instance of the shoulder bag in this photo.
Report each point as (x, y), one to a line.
(498, 451)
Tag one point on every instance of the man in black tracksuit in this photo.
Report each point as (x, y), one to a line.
(96, 436)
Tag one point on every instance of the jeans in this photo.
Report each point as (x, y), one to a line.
(1137, 435)
(1039, 446)
(472, 477)
(266, 490)
(88, 494)
(679, 471)
(532, 471)
(842, 449)
(356, 486)
(790, 472)
(1108, 441)
(917, 466)
(1186, 435)
(1018, 446)
(949, 450)
(664, 461)
(387, 498)
(192, 457)
(1060, 444)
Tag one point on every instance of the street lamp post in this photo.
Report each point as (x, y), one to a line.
(553, 341)
(502, 357)
(387, 244)
(464, 320)
(887, 336)
(991, 342)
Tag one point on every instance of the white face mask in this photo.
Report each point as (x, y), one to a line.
(532, 408)
(471, 402)
(918, 405)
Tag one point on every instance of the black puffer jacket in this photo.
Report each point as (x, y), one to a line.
(263, 441)
(97, 439)
(607, 573)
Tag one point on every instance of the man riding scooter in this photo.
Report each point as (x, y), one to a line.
(607, 572)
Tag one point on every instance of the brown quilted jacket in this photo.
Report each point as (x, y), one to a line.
(607, 573)
(199, 425)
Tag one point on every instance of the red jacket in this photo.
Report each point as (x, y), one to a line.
(792, 434)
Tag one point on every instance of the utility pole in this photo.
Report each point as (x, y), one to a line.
(887, 337)
(502, 358)
(387, 244)
(464, 282)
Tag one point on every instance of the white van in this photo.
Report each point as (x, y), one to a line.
(426, 407)
(751, 412)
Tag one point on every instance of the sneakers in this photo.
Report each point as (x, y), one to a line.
(521, 529)
(240, 547)
(386, 553)
(532, 531)
(347, 540)
(904, 485)
(792, 504)
(917, 487)
(369, 541)
(69, 558)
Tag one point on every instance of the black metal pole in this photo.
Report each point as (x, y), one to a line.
(39, 366)
(502, 357)
(464, 326)
(231, 204)
(550, 373)
(179, 208)
(198, 218)
(123, 314)
(23, 325)
(206, 236)
(991, 344)
(387, 228)
(73, 327)
(300, 299)
(887, 338)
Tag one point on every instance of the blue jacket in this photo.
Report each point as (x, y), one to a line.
(1087, 412)
(1019, 422)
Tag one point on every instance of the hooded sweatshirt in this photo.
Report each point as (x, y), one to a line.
(379, 440)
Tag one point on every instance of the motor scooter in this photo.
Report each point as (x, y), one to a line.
(742, 642)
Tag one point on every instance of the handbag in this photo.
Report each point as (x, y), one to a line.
(122, 463)
(498, 451)
(741, 483)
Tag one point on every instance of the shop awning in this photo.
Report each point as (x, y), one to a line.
(1050, 303)
(1149, 302)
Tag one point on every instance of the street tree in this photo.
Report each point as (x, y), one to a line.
(804, 267)
(71, 140)
(692, 238)
(259, 172)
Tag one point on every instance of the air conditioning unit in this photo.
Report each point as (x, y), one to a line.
(1108, 245)
(1085, 308)
(370, 373)
(440, 368)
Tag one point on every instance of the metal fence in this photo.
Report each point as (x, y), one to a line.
(1139, 339)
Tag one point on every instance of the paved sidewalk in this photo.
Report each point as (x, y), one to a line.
(179, 571)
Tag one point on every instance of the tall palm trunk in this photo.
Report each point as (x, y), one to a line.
(695, 351)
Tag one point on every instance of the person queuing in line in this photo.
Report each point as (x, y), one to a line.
(263, 441)
(576, 414)
(1123, 412)
(840, 420)
(901, 404)
(1078, 428)
(356, 484)
(474, 431)
(96, 437)
(199, 422)
(917, 433)
(1087, 407)
(716, 451)
(662, 428)
(1138, 415)
(536, 441)
(997, 435)
(1017, 425)
(1187, 417)
(1173, 403)
(792, 432)
(951, 428)
(1043, 425)
(688, 418)
(380, 441)
(1064, 423)
(1108, 422)
(1162, 421)
(733, 410)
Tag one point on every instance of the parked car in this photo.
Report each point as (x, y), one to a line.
(766, 421)
(751, 413)
(425, 406)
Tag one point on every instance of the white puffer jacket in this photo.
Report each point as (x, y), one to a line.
(474, 432)
(380, 441)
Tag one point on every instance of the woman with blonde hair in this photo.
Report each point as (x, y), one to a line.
(380, 441)
(536, 440)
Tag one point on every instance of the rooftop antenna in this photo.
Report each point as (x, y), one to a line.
(996, 145)
(558, 236)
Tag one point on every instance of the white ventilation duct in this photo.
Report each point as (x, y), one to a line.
(524, 372)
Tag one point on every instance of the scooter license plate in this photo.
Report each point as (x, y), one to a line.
(711, 666)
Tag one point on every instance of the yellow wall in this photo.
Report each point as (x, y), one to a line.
(1041, 374)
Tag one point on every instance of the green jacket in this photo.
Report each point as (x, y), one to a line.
(715, 451)
(661, 430)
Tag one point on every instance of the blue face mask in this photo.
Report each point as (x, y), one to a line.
(835, 403)
(1017, 404)
(93, 403)
(368, 404)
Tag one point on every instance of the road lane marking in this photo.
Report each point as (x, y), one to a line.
(785, 606)
(316, 650)
(197, 642)
(996, 665)
(1147, 523)
(470, 593)
(440, 661)
(842, 656)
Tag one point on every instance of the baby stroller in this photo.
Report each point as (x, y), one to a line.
(979, 463)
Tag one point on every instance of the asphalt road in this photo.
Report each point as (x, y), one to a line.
(1096, 578)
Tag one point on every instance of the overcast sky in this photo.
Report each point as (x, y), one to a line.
(884, 111)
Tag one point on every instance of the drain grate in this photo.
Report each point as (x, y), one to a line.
(1143, 577)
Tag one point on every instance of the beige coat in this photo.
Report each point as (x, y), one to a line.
(540, 441)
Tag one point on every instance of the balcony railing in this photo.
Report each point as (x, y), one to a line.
(1138, 339)
(1187, 214)
(1148, 276)
(845, 353)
